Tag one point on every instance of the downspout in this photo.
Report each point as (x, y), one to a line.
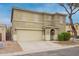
(43, 26)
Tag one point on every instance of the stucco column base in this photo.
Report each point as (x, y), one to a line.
(47, 34)
(56, 34)
(55, 37)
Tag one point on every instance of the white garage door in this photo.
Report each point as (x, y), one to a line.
(29, 35)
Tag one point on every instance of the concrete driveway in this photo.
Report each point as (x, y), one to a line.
(39, 46)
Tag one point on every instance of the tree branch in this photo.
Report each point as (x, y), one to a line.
(75, 11)
(73, 8)
(64, 8)
(70, 8)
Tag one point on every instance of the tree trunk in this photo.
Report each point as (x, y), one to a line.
(72, 26)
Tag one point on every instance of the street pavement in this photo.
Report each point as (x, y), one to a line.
(74, 51)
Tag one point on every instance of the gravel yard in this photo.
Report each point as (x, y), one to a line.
(66, 43)
(11, 47)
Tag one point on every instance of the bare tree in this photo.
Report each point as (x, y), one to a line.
(71, 9)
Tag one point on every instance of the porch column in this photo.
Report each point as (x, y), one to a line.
(56, 34)
(47, 34)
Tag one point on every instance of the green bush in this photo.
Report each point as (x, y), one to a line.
(64, 36)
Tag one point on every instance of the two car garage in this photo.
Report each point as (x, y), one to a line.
(29, 35)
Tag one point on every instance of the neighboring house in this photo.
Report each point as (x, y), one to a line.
(2, 33)
(33, 26)
(68, 28)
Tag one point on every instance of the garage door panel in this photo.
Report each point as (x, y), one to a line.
(29, 35)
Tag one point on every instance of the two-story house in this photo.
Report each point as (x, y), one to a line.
(35, 26)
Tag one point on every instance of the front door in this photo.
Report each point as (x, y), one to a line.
(52, 32)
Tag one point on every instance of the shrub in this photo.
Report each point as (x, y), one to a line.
(64, 36)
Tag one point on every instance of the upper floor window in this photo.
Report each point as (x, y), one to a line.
(61, 22)
(60, 17)
(23, 17)
(49, 18)
(36, 18)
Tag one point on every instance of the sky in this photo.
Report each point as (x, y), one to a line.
(6, 8)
